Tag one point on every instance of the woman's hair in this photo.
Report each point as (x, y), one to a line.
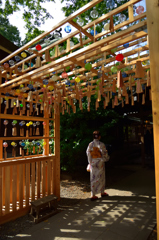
(96, 134)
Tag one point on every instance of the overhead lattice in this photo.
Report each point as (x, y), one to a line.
(51, 70)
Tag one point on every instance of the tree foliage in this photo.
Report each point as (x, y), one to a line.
(34, 14)
(9, 31)
(33, 33)
(74, 5)
(76, 132)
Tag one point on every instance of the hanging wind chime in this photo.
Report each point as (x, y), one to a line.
(14, 129)
(5, 122)
(13, 144)
(5, 145)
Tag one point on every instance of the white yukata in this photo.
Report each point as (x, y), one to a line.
(97, 161)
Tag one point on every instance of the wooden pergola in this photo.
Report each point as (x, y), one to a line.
(42, 79)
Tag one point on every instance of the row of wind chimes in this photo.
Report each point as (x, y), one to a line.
(22, 144)
(32, 129)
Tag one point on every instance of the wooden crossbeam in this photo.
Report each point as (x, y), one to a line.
(26, 159)
(132, 52)
(118, 49)
(72, 16)
(22, 138)
(18, 117)
(87, 49)
(74, 24)
(126, 65)
(108, 15)
(80, 63)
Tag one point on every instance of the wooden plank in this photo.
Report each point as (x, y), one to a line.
(1, 149)
(78, 52)
(17, 182)
(25, 160)
(1, 191)
(23, 138)
(106, 16)
(81, 29)
(11, 184)
(68, 45)
(46, 132)
(14, 192)
(102, 49)
(1, 141)
(11, 216)
(56, 167)
(131, 12)
(89, 56)
(17, 117)
(43, 179)
(5, 49)
(38, 178)
(20, 186)
(3, 185)
(52, 179)
(49, 177)
(46, 148)
(27, 183)
(7, 189)
(153, 23)
(113, 45)
(24, 170)
(33, 180)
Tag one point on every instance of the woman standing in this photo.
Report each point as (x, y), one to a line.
(97, 156)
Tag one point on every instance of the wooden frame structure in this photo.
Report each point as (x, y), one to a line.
(53, 81)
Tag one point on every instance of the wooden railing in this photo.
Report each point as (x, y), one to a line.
(22, 181)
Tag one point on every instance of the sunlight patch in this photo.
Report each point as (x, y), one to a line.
(23, 235)
(70, 230)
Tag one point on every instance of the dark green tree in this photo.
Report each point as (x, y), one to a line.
(34, 14)
(76, 132)
(9, 31)
(33, 33)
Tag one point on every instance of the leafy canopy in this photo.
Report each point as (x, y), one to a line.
(9, 31)
(33, 33)
(34, 14)
(76, 132)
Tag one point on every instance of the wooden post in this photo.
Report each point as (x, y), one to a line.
(142, 144)
(1, 141)
(56, 163)
(130, 12)
(46, 147)
(152, 7)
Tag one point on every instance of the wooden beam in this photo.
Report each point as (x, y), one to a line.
(80, 63)
(72, 16)
(22, 138)
(5, 49)
(153, 33)
(56, 163)
(85, 50)
(30, 118)
(46, 131)
(100, 19)
(131, 12)
(26, 160)
(81, 29)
